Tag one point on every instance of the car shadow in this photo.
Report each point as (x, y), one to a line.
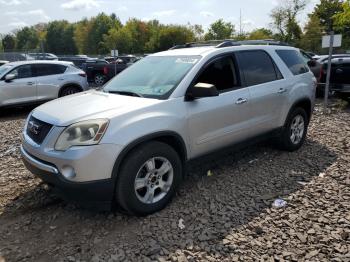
(223, 192)
(12, 113)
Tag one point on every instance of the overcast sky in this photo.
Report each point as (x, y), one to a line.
(255, 13)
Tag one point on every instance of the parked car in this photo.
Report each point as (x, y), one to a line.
(43, 56)
(76, 60)
(324, 58)
(129, 144)
(2, 62)
(94, 70)
(315, 66)
(339, 80)
(100, 71)
(38, 81)
(127, 59)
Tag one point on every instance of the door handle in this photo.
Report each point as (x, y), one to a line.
(241, 101)
(282, 90)
(30, 83)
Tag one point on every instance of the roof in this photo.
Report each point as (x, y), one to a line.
(40, 62)
(206, 50)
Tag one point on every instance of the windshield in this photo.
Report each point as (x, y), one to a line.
(4, 68)
(153, 76)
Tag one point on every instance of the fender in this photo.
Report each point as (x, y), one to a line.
(149, 137)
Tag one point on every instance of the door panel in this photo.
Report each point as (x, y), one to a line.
(267, 88)
(20, 90)
(216, 122)
(49, 79)
(267, 100)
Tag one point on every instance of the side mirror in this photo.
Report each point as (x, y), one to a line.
(201, 90)
(311, 63)
(9, 77)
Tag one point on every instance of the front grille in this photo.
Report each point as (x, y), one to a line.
(37, 130)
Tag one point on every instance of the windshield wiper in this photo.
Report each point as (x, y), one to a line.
(126, 93)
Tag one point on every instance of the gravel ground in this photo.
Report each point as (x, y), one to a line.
(224, 216)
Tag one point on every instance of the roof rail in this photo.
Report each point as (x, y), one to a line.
(230, 42)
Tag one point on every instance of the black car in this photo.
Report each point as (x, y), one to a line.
(76, 60)
(339, 80)
(314, 65)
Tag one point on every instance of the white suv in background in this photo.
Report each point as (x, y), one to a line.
(37, 81)
(129, 144)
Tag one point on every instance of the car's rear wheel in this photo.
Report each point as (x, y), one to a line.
(148, 178)
(99, 79)
(69, 90)
(295, 130)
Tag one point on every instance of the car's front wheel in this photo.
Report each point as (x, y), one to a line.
(148, 178)
(69, 90)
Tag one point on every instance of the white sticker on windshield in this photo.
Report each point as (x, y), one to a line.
(186, 60)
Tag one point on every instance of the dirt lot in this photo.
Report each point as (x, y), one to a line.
(223, 217)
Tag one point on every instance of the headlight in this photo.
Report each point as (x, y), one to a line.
(82, 134)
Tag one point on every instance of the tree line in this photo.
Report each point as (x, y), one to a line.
(100, 34)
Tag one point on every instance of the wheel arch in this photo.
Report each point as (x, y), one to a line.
(304, 103)
(170, 138)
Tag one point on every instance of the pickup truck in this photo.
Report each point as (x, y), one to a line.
(99, 71)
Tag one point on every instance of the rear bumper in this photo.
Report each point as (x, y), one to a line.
(93, 194)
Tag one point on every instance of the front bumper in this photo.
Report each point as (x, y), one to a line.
(93, 194)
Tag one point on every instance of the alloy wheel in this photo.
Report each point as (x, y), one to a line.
(154, 180)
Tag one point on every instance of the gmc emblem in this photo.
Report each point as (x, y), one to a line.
(33, 128)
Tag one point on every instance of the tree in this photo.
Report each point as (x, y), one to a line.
(198, 32)
(284, 20)
(27, 38)
(60, 38)
(311, 39)
(81, 33)
(172, 35)
(98, 27)
(119, 39)
(342, 19)
(326, 10)
(220, 30)
(9, 42)
(261, 33)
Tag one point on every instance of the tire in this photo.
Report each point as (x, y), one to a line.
(294, 131)
(69, 90)
(138, 166)
(99, 79)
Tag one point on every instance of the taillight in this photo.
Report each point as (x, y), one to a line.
(82, 74)
(105, 70)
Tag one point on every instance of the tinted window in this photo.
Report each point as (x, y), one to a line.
(47, 69)
(23, 71)
(257, 67)
(294, 61)
(220, 73)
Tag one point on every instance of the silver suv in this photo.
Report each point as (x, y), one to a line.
(128, 145)
(38, 81)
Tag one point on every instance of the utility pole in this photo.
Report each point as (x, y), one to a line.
(240, 23)
(329, 65)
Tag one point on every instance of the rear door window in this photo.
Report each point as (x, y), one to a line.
(257, 67)
(294, 61)
(49, 69)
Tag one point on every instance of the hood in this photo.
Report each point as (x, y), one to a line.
(89, 105)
